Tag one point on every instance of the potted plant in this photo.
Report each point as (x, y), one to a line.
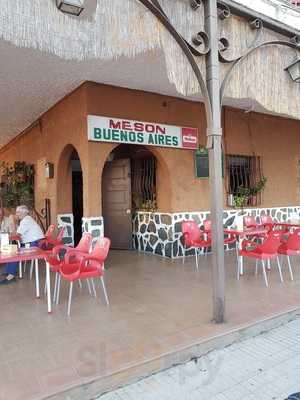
(244, 196)
(17, 184)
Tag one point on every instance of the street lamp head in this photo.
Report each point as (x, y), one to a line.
(294, 70)
(72, 7)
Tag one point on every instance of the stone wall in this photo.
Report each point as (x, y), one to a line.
(160, 233)
(67, 221)
(93, 225)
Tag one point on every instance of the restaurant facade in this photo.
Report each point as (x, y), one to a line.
(131, 165)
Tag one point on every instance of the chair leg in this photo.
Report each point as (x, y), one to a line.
(256, 266)
(264, 272)
(268, 264)
(241, 265)
(20, 270)
(279, 269)
(290, 268)
(104, 290)
(58, 289)
(197, 262)
(183, 257)
(31, 269)
(70, 298)
(238, 267)
(55, 286)
(80, 283)
(89, 286)
(45, 288)
(93, 287)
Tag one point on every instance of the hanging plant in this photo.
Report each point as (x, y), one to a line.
(17, 186)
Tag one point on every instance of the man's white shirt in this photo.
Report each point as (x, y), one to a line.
(29, 230)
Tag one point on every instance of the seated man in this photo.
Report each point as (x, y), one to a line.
(30, 233)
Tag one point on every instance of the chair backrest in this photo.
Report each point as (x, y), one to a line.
(266, 219)
(271, 243)
(293, 241)
(60, 235)
(191, 231)
(249, 221)
(49, 231)
(207, 224)
(100, 250)
(85, 243)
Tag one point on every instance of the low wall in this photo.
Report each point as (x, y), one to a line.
(160, 233)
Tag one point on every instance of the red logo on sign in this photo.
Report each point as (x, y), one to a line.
(189, 138)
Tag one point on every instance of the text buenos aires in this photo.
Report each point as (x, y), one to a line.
(116, 135)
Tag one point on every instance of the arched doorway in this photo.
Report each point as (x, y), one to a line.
(128, 185)
(70, 190)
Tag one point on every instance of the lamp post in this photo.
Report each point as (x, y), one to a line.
(213, 93)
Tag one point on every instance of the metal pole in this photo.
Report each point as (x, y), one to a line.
(215, 161)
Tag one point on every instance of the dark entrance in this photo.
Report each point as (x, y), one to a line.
(128, 185)
(77, 196)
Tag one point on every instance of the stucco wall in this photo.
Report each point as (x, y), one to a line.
(60, 126)
(276, 140)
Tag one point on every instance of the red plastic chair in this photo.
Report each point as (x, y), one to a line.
(266, 251)
(90, 266)
(291, 248)
(43, 243)
(193, 237)
(49, 242)
(55, 262)
(250, 222)
(229, 239)
(267, 221)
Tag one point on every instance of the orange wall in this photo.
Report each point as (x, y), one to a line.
(275, 139)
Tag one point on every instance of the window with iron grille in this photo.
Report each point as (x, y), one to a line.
(243, 174)
(143, 178)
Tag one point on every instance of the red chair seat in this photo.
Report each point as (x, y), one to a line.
(200, 243)
(256, 253)
(285, 250)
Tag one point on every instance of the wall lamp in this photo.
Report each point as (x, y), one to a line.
(49, 170)
(72, 7)
(294, 70)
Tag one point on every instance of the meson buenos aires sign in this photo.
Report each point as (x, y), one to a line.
(106, 129)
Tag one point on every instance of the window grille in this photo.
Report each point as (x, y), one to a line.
(143, 178)
(243, 172)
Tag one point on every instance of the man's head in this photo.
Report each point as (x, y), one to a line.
(22, 211)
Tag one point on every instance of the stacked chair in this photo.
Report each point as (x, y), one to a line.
(79, 263)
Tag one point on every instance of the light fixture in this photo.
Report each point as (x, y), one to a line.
(49, 170)
(294, 70)
(72, 7)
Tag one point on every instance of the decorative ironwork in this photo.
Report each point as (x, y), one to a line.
(223, 11)
(255, 24)
(243, 172)
(227, 77)
(43, 217)
(143, 178)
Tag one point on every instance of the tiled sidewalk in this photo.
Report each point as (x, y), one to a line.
(266, 367)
